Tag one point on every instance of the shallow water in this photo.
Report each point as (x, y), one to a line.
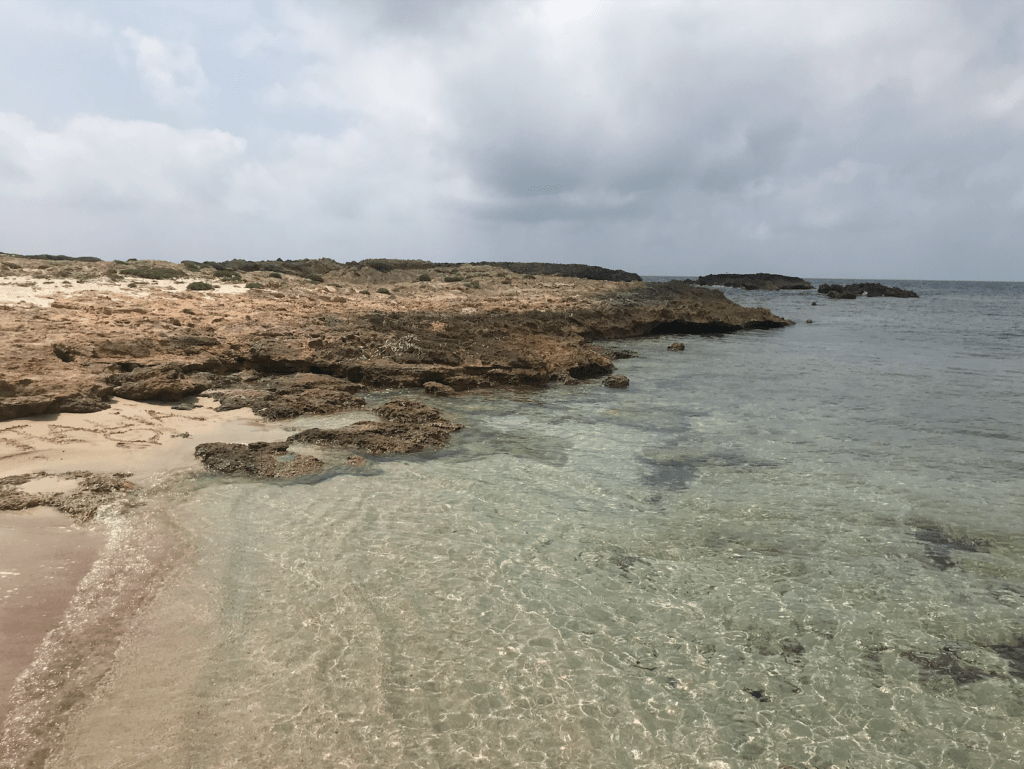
(793, 547)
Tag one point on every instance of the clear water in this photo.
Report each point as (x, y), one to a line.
(800, 547)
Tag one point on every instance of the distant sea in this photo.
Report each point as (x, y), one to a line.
(800, 547)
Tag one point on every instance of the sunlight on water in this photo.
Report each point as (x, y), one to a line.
(793, 548)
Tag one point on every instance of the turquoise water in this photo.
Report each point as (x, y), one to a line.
(800, 547)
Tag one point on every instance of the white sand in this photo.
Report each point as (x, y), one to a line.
(42, 292)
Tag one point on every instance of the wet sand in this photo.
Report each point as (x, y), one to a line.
(45, 554)
(43, 557)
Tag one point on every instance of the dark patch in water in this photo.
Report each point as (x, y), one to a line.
(939, 547)
(758, 694)
(1014, 654)
(674, 475)
(627, 562)
(947, 663)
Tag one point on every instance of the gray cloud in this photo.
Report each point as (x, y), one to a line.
(848, 139)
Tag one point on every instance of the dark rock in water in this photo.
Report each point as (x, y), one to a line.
(853, 290)
(407, 427)
(940, 548)
(619, 354)
(810, 321)
(761, 281)
(284, 397)
(618, 381)
(412, 413)
(437, 388)
(264, 460)
(677, 347)
(378, 437)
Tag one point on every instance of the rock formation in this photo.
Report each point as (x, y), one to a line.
(761, 281)
(405, 427)
(95, 330)
(853, 290)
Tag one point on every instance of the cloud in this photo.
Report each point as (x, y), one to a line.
(661, 136)
(170, 71)
(99, 164)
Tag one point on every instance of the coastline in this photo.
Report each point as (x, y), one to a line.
(110, 385)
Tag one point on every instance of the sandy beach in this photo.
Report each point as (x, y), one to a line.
(45, 553)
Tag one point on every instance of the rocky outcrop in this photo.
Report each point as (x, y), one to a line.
(616, 381)
(284, 397)
(405, 427)
(853, 290)
(260, 460)
(677, 347)
(92, 492)
(760, 281)
(438, 389)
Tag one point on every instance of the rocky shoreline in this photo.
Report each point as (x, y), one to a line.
(360, 328)
(312, 335)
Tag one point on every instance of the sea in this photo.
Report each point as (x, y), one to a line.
(800, 547)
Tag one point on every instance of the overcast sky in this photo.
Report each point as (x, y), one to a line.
(878, 139)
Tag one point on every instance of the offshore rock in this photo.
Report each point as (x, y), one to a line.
(853, 290)
(760, 281)
(677, 347)
(618, 381)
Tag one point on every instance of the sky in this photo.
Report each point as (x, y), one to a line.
(858, 139)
